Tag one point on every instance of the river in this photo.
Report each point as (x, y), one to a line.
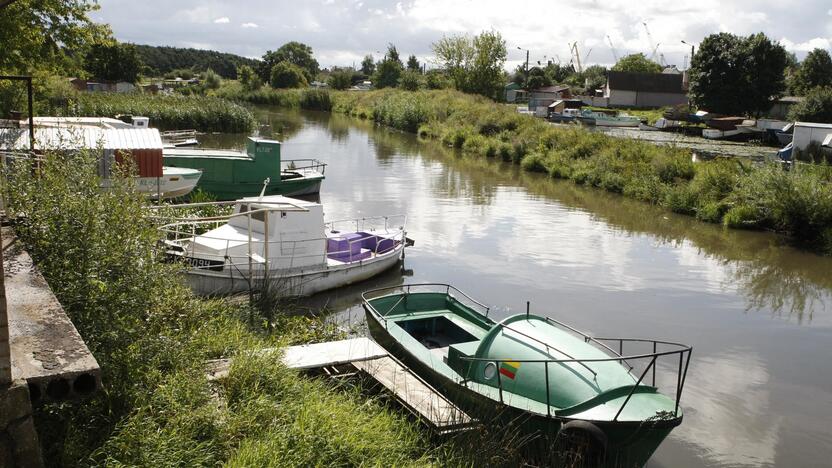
(759, 389)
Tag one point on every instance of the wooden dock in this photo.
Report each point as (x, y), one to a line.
(419, 397)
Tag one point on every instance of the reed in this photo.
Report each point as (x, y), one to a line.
(174, 112)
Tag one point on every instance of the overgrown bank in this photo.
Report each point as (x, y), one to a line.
(152, 338)
(732, 192)
(174, 112)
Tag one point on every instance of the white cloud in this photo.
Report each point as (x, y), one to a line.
(811, 44)
(249, 25)
(222, 20)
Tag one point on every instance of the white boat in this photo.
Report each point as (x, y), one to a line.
(279, 243)
(716, 134)
(175, 182)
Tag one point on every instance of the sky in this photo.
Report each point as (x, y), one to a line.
(342, 32)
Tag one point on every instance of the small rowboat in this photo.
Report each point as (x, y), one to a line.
(562, 381)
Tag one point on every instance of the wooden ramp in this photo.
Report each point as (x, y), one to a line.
(416, 394)
(364, 354)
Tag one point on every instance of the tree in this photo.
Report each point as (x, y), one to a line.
(816, 107)
(368, 65)
(113, 62)
(413, 64)
(211, 79)
(249, 78)
(47, 33)
(287, 75)
(474, 65)
(737, 75)
(814, 71)
(592, 78)
(637, 63)
(409, 80)
(436, 79)
(389, 70)
(340, 79)
(538, 78)
(295, 53)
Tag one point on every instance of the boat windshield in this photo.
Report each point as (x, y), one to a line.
(257, 213)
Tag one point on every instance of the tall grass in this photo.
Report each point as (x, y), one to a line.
(203, 113)
(151, 336)
(308, 99)
(732, 192)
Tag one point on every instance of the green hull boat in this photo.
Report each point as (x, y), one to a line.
(231, 175)
(561, 383)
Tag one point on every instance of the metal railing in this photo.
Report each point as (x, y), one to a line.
(302, 165)
(288, 254)
(675, 349)
(407, 289)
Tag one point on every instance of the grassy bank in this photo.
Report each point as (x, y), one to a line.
(152, 337)
(203, 113)
(732, 192)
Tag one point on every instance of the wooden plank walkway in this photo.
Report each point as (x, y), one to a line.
(416, 394)
(368, 357)
(333, 353)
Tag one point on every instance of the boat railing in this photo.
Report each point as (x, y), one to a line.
(303, 164)
(407, 289)
(679, 350)
(283, 253)
(367, 224)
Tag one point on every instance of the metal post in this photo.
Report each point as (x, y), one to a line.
(548, 403)
(528, 306)
(654, 368)
(5, 347)
(31, 116)
(499, 380)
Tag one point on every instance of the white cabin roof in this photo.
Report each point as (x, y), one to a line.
(276, 200)
(82, 137)
(813, 125)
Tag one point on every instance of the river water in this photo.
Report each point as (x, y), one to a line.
(757, 311)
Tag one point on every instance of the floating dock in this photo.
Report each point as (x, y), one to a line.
(365, 356)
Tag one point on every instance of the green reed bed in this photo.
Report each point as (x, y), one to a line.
(174, 112)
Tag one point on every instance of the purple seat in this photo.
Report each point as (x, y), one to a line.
(347, 247)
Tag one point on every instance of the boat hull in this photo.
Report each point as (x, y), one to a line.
(175, 182)
(630, 443)
(296, 283)
(616, 123)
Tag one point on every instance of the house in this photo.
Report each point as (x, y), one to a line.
(513, 93)
(541, 98)
(557, 107)
(780, 109)
(812, 141)
(625, 89)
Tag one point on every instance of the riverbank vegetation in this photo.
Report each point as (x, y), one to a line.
(732, 192)
(152, 338)
(202, 113)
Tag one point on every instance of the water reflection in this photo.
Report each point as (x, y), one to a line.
(758, 392)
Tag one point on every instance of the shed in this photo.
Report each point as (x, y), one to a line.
(625, 89)
(143, 145)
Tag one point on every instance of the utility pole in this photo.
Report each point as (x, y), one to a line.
(692, 50)
(527, 64)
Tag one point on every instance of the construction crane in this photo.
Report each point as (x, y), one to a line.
(662, 60)
(586, 57)
(650, 41)
(612, 47)
(573, 49)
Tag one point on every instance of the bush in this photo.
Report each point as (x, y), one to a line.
(815, 107)
(249, 78)
(409, 80)
(211, 79)
(340, 80)
(287, 75)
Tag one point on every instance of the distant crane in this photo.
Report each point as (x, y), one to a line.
(586, 57)
(650, 41)
(612, 47)
(573, 49)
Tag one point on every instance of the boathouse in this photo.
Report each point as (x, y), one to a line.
(541, 98)
(812, 142)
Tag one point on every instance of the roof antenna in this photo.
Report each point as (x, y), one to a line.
(265, 184)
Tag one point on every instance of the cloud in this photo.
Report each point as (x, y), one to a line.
(342, 31)
(249, 25)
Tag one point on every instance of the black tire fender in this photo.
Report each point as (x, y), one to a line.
(588, 428)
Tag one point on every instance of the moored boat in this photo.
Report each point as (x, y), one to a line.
(230, 175)
(563, 381)
(282, 244)
(602, 119)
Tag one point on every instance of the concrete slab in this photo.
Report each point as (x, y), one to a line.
(46, 349)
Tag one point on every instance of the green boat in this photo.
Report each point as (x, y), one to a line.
(562, 383)
(231, 175)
